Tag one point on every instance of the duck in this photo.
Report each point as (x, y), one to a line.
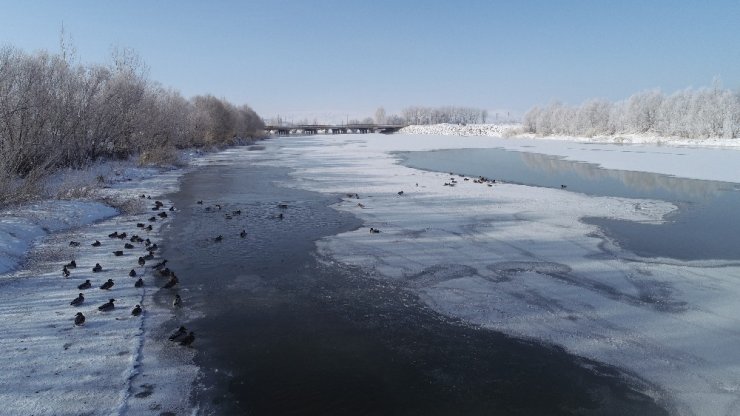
(243, 233)
(162, 215)
(237, 212)
(142, 196)
(165, 272)
(122, 236)
(153, 247)
(132, 273)
(97, 268)
(218, 238)
(152, 219)
(160, 265)
(563, 186)
(148, 256)
(78, 300)
(200, 202)
(172, 282)
(114, 234)
(96, 243)
(158, 204)
(79, 319)
(86, 285)
(374, 230)
(141, 261)
(136, 311)
(74, 243)
(155, 208)
(400, 192)
(72, 264)
(188, 339)
(283, 206)
(360, 205)
(172, 208)
(108, 306)
(177, 302)
(128, 246)
(148, 227)
(118, 253)
(139, 283)
(218, 206)
(65, 271)
(140, 225)
(179, 334)
(107, 285)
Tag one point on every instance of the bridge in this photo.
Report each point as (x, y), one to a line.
(305, 129)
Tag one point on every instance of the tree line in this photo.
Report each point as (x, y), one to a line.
(56, 113)
(691, 113)
(447, 114)
(431, 115)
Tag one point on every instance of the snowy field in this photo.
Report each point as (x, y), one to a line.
(517, 259)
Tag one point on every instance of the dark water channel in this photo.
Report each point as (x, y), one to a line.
(281, 332)
(706, 226)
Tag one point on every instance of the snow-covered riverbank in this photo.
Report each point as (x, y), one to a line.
(515, 130)
(114, 363)
(517, 259)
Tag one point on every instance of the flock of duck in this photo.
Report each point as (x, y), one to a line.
(159, 269)
(452, 182)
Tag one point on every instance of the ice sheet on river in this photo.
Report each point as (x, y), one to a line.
(517, 259)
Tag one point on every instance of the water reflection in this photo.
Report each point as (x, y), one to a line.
(641, 182)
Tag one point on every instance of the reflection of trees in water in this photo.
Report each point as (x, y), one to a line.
(641, 181)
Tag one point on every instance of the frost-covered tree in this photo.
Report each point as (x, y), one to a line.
(380, 115)
(57, 113)
(690, 113)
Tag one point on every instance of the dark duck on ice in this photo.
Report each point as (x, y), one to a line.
(108, 306)
(78, 300)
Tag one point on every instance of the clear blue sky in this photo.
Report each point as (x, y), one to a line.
(348, 56)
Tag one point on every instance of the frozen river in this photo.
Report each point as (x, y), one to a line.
(551, 264)
(282, 331)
